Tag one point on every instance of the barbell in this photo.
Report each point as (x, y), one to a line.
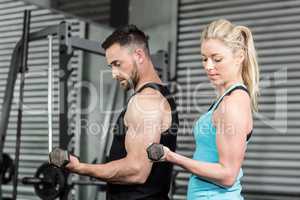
(7, 168)
(50, 182)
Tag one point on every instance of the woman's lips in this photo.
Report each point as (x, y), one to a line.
(213, 76)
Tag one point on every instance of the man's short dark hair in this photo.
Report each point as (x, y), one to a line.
(127, 35)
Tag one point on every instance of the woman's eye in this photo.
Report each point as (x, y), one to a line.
(218, 59)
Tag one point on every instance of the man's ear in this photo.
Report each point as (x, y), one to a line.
(139, 55)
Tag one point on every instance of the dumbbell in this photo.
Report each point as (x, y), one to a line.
(59, 158)
(155, 152)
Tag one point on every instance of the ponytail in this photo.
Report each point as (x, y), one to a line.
(250, 70)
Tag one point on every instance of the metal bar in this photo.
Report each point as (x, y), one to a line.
(43, 34)
(7, 101)
(23, 69)
(161, 64)
(82, 182)
(35, 180)
(50, 133)
(64, 136)
(87, 45)
(107, 120)
(174, 38)
(65, 54)
(119, 13)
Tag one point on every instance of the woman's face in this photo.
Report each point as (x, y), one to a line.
(223, 67)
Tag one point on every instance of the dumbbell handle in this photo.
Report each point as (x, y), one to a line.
(33, 180)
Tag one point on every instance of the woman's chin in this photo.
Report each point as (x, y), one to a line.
(216, 83)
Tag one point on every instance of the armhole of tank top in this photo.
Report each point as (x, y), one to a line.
(228, 92)
(161, 89)
(238, 87)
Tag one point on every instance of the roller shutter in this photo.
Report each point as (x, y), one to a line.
(272, 165)
(93, 10)
(34, 140)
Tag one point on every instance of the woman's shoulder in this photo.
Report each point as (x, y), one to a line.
(237, 103)
(237, 96)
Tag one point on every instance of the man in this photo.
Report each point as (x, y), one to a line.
(149, 117)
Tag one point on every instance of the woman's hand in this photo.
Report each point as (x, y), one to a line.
(158, 152)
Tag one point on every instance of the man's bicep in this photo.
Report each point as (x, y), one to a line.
(144, 120)
(144, 132)
(137, 140)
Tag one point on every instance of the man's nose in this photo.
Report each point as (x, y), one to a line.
(115, 73)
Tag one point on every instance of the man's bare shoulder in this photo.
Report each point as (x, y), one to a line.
(149, 104)
(147, 100)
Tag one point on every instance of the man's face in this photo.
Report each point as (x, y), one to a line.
(124, 67)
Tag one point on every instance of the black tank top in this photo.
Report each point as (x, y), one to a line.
(157, 185)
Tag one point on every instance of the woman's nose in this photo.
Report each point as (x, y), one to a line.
(209, 65)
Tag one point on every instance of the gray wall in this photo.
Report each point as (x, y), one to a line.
(158, 19)
(40, 3)
(155, 18)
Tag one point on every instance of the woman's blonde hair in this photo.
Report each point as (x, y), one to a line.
(238, 37)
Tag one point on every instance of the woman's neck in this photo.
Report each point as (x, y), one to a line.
(223, 88)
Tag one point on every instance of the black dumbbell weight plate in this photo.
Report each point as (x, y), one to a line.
(7, 169)
(52, 184)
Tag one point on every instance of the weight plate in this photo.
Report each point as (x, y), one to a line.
(52, 184)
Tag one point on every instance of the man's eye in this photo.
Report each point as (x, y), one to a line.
(204, 59)
(116, 64)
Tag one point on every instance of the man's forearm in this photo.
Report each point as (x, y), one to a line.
(118, 171)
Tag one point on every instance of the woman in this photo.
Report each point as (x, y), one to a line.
(221, 134)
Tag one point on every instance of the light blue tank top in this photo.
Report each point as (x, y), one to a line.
(206, 151)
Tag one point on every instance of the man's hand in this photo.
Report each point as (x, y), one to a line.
(63, 159)
(74, 164)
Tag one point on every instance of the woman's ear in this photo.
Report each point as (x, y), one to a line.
(240, 57)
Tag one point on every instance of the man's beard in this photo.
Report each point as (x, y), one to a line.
(133, 79)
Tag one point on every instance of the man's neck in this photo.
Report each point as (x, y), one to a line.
(141, 83)
(150, 77)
